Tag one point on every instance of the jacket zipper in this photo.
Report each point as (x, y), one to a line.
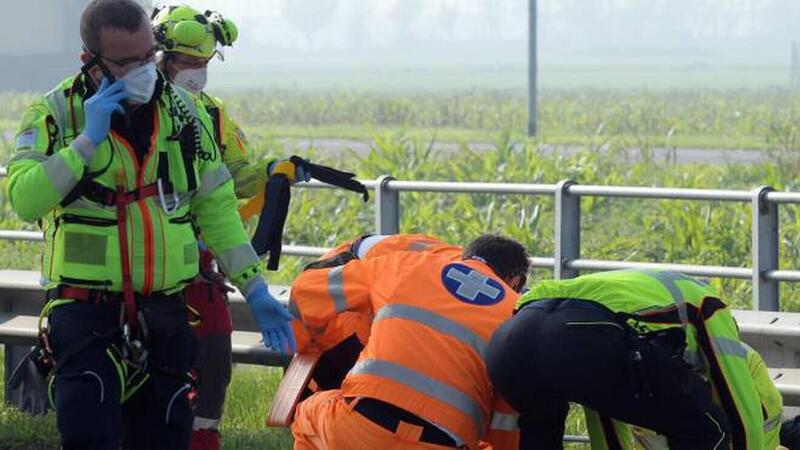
(147, 220)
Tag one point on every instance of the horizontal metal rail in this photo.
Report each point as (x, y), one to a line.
(696, 270)
(566, 261)
(659, 193)
(471, 188)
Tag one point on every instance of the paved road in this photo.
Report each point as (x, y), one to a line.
(682, 155)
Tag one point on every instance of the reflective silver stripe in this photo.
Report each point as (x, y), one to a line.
(729, 347)
(668, 279)
(251, 284)
(695, 359)
(504, 421)
(59, 174)
(437, 322)
(423, 384)
(772, 423)
(237, 258)
(28, 154)
(336, 288)
(201, 423)
(212, 179)
(58, 106)
(419, 246)
(185, 198)
(367, 243)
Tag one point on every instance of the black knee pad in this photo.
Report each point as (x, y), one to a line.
(87, 408)
(719, 436)
(790, 434)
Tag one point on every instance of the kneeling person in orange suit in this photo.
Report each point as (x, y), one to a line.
(420, 382)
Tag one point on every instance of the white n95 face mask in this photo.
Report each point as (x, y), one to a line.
(193, 80)
(140, 83)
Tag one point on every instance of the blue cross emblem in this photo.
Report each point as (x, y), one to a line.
(471, 286)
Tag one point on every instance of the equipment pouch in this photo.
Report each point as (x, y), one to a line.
(30, 381)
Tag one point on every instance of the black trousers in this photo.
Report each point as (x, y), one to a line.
(557, 351)
(87, 384)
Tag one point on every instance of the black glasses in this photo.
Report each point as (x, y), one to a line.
(127, 64)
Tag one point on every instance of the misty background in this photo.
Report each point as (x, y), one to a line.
(441, 45)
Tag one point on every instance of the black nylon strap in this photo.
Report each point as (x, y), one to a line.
(188, 151)
(344, 180)
(269, 231)
(216, 120)
(163, 172)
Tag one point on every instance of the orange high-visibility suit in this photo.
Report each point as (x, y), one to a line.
(430, 315)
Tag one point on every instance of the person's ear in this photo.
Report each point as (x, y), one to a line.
(516, 283)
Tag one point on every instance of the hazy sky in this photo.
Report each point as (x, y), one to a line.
(600, 26)
(465, 43)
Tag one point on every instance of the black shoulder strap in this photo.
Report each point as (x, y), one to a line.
(339, 259)
(216, 120)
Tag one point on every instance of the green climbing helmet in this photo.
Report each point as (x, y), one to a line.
(181, 29)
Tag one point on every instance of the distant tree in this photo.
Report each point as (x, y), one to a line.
(358, 31)
(448, 16)
(493, 12)
(309, 16)
(405, 12)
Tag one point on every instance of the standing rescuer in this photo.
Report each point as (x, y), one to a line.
(187, 40)
(117, 164)
(651, 348)
(420, 380)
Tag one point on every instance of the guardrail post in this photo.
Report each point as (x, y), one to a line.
(765, 251)
(387, 207)
(567, 230)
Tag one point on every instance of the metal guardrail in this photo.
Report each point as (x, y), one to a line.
(566, 262)
(765, 272)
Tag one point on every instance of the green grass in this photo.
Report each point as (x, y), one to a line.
(249, 399)
(764, 118)
(711, 233)
(459, 135)
(506, 69)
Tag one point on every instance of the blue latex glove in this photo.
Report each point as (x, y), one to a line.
(99, 108)
(272, 318)
(299, 173)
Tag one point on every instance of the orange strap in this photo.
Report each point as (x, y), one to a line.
(122, 202)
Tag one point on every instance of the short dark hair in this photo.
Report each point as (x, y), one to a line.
(507, 257)
(125, 14)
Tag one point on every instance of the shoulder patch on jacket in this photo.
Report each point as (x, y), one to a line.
(26, 139)
(470, 286)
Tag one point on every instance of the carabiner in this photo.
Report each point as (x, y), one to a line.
(175, 200)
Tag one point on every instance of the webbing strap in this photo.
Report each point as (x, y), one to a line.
(269, 231)
(98, 193)
(329, 175)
